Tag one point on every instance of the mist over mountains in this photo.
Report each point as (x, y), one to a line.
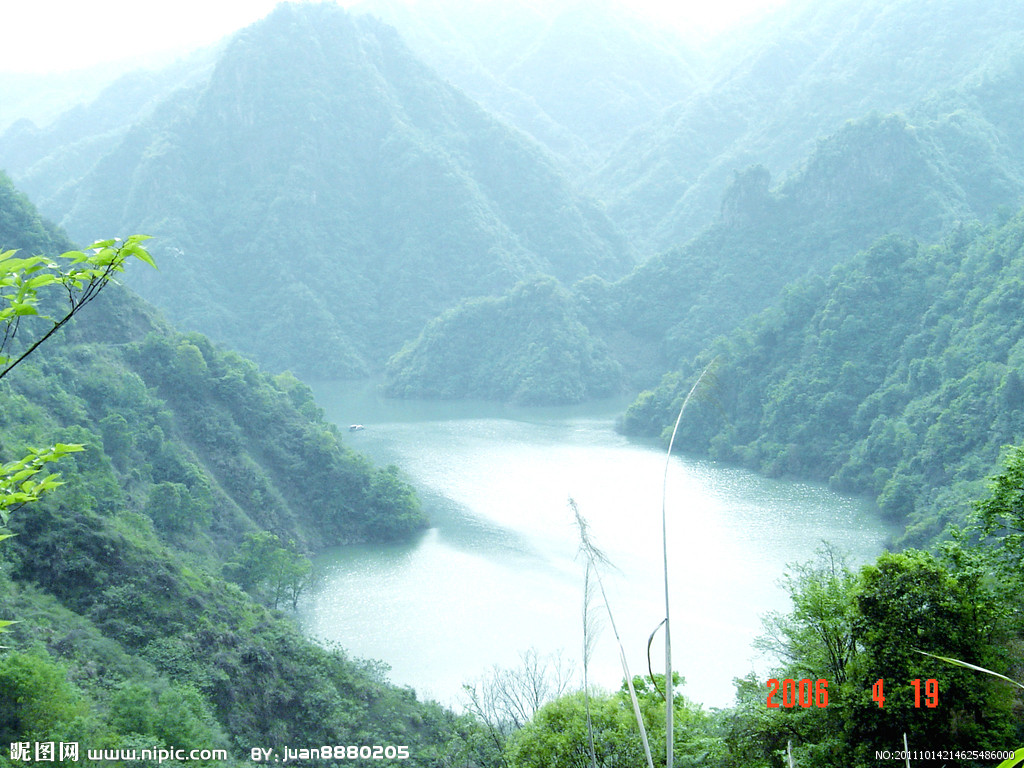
(794, 79)
(324, 196)
(577, 76)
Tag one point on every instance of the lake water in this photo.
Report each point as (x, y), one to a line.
(498, 573)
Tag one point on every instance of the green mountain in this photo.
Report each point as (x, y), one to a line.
(141, 585)
(953, 157)
(526, 347)
(897, 375)
(324, 194)
(874, 176)
(777, 88)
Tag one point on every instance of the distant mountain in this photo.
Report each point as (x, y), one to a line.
(324, 194)
(47, 155)
(875, 176)
(796, 78)
(577, 75)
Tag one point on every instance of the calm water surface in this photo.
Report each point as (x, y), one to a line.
(497, 573)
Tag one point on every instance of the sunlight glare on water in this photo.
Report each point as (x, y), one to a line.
(497, 573)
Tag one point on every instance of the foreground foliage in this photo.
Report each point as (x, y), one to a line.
(128, 632)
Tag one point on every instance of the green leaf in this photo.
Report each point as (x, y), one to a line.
(40, 280)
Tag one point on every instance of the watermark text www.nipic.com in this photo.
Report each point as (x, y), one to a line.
(64, 751)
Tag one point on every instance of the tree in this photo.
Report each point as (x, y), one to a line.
(816, 639)
(37, 698)
(172, 508)
(289, 576)
(506, 699)
(852, 630)
(263, 566)
(556, 736)
(912, 602)
(1000, 515)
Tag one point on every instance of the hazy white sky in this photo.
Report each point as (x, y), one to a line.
(57, 35)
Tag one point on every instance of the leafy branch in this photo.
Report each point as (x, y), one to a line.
(18, 483)
(82, 275)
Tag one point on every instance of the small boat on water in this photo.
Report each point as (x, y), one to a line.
(355, 427)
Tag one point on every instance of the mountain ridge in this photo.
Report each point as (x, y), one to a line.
(323, 158)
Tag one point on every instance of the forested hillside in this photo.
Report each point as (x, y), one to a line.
(953, 158)
(324, 194)
(527, 347)
(141, 586)
(874, 176)
(897, 375)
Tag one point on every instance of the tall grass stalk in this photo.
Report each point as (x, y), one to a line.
(596, 557)
(669, 694)
(967, 665)
(589, 640)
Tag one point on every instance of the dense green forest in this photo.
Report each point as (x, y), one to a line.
(874, 176)
(142, 587)
(897, 375)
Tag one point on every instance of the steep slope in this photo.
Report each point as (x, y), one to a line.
(790, 82)
(254, 449)
(897, 375)
(128, 634)
(874, 176)
(577, 76)
(325, 194)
